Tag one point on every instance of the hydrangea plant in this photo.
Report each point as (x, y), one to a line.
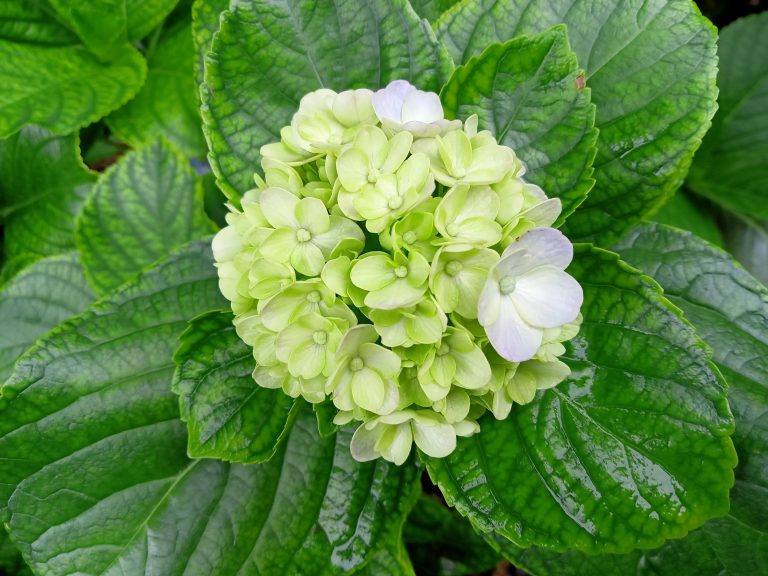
(399, 264)
(381, 287)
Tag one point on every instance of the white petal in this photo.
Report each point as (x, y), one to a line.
(489, 303)
(363, 443)
(434, 438)
(511, 337)
(388, 102)
(226, 244)
(279, 207)
(539, 247)
(421, 106)
(547, 297)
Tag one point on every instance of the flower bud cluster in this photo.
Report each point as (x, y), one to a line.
(398, 263)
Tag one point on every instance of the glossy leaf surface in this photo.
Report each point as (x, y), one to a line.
(337, 45)
(529, 93)
(36, 300)
(228, 415)
(631, 449)
(91, 438)
(651, 67)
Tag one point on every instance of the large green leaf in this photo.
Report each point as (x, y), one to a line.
(730, 311)
(228, 415)
(94, 477)
(63, 88)
(651, 66)
(205, 22)
(167, 103)
(25, 21)
(106, 25)
(633, 448)
(268, 53)
(36, 300)
(747, 239)
(432, 9)
(146, 205)
(43, 183)
(528, 93)
(731, 166)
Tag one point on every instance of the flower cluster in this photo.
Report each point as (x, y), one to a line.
(398, 263)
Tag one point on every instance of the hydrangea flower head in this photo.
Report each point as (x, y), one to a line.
(398, 264)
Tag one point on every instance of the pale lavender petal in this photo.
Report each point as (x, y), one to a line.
(547, 297)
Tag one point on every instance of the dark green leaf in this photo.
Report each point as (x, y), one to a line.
(205, 22)
(167, 104)
(268, 53)
(731, 166)
(682, 211)
(651, 68)
(63, 88)
(43, 184)
(527, 92)
(391, 559)
(442, 543)
(36, 300)
(633, 448)
(94, 477)
(146, 205)
(228, 415)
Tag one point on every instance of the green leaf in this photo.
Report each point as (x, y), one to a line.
(633, 448)
(651, 68)
(100, 25)
(36, 300)
(682, 211)
(442, 543)
(43, 185)
(432, 9)
(205, 23)
(268, 53)
(90, 437)
(391, 559)
(730, 311)
(528, 93)
(167, 103)
(142, 16)
(24, 21)
(142, 208)
(63, 88)
(731, 166)
(228, 415)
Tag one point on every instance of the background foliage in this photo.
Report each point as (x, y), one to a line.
(132, 438)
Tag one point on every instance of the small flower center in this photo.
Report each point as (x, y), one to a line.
(453, 267)
(303, 235)
(507, 285)
(443, 350)
(320, 337)
(314, 297)
(459, 173)
(452, 229)
(334, 139)
(356, 364)
(409, 237)
(373, 175)
(395, 202)
(401, 271)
